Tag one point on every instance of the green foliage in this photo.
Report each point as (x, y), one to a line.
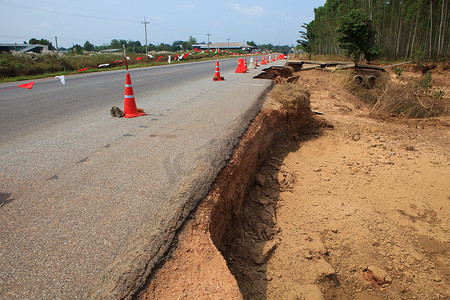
(357, 36)
(117, 44)
(34, 41)
(418, 55)
(373, 53)
(190, 42)
(77, 49)
(266, 47)
(88, 46)
(39, 64)
(425, 83)
(438, 95)
(307, 37)
(252, 43)
(407, 29)
(36, 65)
(398, 71)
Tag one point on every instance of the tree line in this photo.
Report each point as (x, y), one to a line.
(406, 29)
(137, 47)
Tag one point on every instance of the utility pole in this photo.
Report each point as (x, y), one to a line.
(57, 48)
(228, 43)
(145, 24)
(208, 34)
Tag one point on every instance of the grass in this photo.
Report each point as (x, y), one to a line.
(291, 96)
(321, 57)
(343, 58)
(414, 98)
(34, 66)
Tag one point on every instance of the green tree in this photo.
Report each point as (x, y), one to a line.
(177, 45)
(88, 46)
(306, 38)
(253, 44)
(405, 28)
(117, 44)
(163, 47)
(266, 47)
(135, 46)
(34, 41)
(77, 49)
(192, 41)
(357, 36)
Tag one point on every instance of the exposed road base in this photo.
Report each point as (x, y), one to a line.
(195, 268)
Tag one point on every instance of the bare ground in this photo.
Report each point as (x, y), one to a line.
(356, 211)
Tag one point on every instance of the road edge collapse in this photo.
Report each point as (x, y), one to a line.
(195, 268)
(126, 276)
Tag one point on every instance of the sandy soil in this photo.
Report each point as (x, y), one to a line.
(358, 211)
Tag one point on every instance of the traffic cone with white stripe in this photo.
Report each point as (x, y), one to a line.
(256, 63)
(129, 107)
(217, 76)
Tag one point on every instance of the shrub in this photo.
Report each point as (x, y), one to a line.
(414, 99)
(398, 71)
(425, 84)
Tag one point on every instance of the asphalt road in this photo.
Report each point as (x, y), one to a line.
(89, 203)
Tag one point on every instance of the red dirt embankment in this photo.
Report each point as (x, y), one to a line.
(196, 269)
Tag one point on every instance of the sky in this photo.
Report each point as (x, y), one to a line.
(100, 21)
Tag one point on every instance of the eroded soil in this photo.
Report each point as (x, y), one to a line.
(359, 211)
(356, 211)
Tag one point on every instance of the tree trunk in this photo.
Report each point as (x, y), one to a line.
(431, 29)
(408, 43)
(440, 29)
(399, 28)
(391, 29)
(414, 35)
(381, 31)
(445, 29)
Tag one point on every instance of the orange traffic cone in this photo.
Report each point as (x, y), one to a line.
(263, 62)
(256, 63)
(241, 68)
(245, 65)
(217, 76)
(129, 107)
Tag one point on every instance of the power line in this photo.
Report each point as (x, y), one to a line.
(59, 12)
(97, 17)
